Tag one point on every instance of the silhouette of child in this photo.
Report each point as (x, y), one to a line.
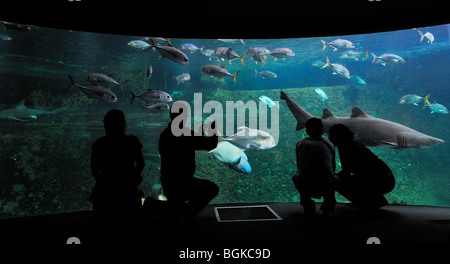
(316, 164)
(364, 178)
(116, 164)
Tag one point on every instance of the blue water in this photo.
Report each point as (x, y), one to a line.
(44, 163)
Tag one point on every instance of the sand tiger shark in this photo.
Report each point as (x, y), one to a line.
(21, 111)
(368, 130)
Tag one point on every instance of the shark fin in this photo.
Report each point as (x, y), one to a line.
(356, 112)
(21, 104)
(327, 114)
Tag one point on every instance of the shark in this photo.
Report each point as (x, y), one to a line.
(21, 111)
(370, 131)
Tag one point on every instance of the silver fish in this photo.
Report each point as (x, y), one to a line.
(96, 92)
(156, 108)
(218, 72)
(266, 74)
(338, 69)
(171, 53)
(149, 72)
(228, 54)
(338, 44)
(182, 78)
(248, 138)
(410, 99)
(139, 44)
(100, 77)
(281, 53)
(5, 37)
(154, 96)
(387, 58)
(428, 36)
(255, 55)
(231, 156)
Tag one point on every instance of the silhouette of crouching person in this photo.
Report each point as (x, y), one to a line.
(364, 178)
(116, 164)
(186, 194)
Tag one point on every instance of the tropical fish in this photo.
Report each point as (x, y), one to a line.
(387, 58)
(182, 78)
(95, 91)
(357, 80)
(248, 138)
(368, 130)
(139, 44)
(281, 53)
(232, 156)
(171, 53)
(21, 111)
(156, 108)
(218, 72)
(338, 44)
(435, 107)
(190, 47)
(322, 94)
(152, 96)
(355, 55)
(228, 54)
(268, 101)
(338, 69)
(149, 72)
(317, 64)
(266, 74)
(410, 99)
(428, 36)
(100, 77)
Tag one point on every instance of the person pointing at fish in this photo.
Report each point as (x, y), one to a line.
(186, 194)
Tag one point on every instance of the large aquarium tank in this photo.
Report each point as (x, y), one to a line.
(49, 120)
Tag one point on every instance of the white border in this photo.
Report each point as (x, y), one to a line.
(248, 220)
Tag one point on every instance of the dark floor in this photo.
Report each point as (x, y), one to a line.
(393, 224)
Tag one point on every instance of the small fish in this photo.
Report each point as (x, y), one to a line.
(171, 53)
(428, 36)
(411, 99)
(387, 58)
(266, 74)
(152, 96)
(338, 44)
(156, 108)
(190, 47)
(232, 156)
(182, 78)
(355, 55)
(435, 107)
(281, 53)
(96, 92)
(149, 72)
(5, 37)
(218, 72)
(268, 101)
(317, 64)
(139, 44)
(338, 69)
(322, 94)
(100, 77)
(248, 138)
(357, 80)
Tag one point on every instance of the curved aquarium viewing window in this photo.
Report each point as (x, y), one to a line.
(56, 86)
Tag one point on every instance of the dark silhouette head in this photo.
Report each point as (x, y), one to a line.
(340, 135)
(314, 127)
(114, 122)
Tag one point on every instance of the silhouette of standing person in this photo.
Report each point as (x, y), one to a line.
(364, 178)
(315, 177)
(116, 164)
(186, 194)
